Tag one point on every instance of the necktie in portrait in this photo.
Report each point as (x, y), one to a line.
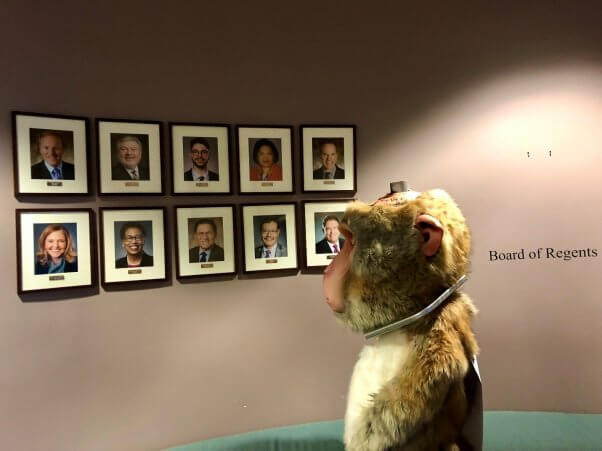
(267, 253)
(201, 178)
(56, 174)
(134, 174)
(336, 248)
(203, 257)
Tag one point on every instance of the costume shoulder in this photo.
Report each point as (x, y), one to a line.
(121, 262)
(281, 250)
(213, 176)
(39, 171)
(339, 173)
(319, 173)
(188, 175)
(258, 251)
(40, 268)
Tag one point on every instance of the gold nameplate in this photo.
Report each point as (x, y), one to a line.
(329, 182)
(331, 257)
(206, 265)
(132, 184)
(272, 260)
(202, 184)
(267, 184)
(53, 278)
(134, 271)
(54, 183)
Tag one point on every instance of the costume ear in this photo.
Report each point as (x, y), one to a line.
(431, 231)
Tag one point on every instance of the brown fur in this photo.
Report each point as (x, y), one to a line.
(424, 406)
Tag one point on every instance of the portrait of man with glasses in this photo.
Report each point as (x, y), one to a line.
(200, 154)
(133, 239)
(272, 243)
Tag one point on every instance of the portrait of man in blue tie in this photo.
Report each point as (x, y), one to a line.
(204, 234)
(272, 243)
(332, 241)
(50, 145)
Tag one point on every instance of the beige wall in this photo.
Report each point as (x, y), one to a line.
(443, 97)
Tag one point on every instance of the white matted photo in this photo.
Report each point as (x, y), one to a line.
(200, 158)
(129, 157)
(323, 240)
(205, 241)
(132, 244)
(265, 159)
(50, 154)
(56, 249)
(329, 158)
(269, 235)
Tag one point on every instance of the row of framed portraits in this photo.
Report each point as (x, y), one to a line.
(56, 248)
(51, 154)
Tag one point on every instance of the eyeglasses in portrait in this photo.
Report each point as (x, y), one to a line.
(200, 158)
(269, 237)
(133, 247)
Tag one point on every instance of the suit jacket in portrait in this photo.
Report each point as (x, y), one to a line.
(322, 246)
(43, 269)
(213, 177)
(40, 171)
(216, 255)
(280, 251)
(118, 172)
(147, 260)
(339, 173)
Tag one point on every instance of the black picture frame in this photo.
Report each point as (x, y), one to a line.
(281, 140)
(221, 135)
(185, 270)
(112, 274)
(33, 179)
(70, 278)
(314, 262)
(113, 178)
(250, 263)
(343, 138)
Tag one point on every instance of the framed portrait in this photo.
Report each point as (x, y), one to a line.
(323, 241)
(265, 159)
(329, 158)
(56, 249)
(205, 241)
(200, 155)
(269, 235)
(132, 244)
(129, 157)
(50, 154)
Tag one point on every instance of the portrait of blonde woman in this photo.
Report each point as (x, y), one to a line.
(56, 252)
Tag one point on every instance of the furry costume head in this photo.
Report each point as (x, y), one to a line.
(400, 253)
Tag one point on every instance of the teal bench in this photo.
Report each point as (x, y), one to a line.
(503, 431)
